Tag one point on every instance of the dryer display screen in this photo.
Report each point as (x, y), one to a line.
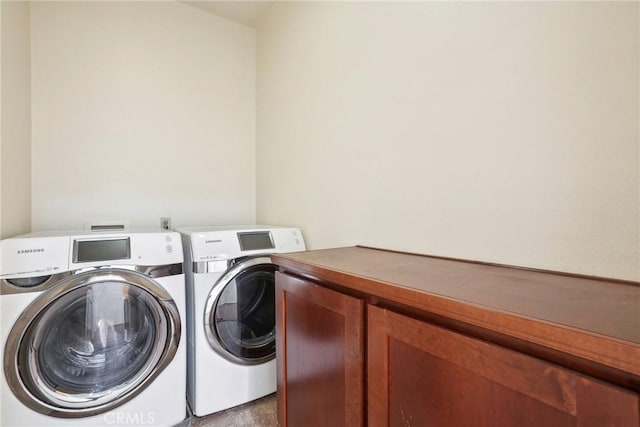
(256, 240)
(101, 250)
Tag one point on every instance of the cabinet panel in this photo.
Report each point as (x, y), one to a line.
(420, 374)
(320, 362)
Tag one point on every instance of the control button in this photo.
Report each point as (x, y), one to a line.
(169, 249)
(167, 238)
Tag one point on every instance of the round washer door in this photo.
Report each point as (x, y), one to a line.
(91, 343)
(239, 318)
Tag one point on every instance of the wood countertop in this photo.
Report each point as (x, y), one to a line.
(591, 318)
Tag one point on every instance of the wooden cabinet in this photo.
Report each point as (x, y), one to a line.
(377, 338)
(320, 360)
(419, 374)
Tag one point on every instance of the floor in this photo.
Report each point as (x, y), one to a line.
(259, 413)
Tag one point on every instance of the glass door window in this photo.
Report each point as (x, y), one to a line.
(243, 317)
(93, 340)
(98, 338)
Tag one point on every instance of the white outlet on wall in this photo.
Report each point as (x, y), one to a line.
(165, 223)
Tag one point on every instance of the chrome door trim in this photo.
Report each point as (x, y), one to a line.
(212, 302)
(84, 405)
(155, 271)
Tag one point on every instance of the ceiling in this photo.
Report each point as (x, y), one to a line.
(240, 11)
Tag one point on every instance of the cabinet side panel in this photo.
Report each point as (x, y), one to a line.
(315, 372)
(281, 359)
(320, 377)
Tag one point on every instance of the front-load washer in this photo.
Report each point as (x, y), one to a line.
(92, 329)
(231, 312)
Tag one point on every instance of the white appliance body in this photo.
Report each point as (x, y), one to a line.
(92, 329)
(231, 312)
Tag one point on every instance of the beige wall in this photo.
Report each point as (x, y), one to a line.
(141, 110)
(503, 132)
(15, 143)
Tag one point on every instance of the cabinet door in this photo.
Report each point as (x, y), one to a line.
(319, 352)
(423, 375)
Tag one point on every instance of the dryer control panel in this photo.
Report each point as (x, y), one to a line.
(222, 245)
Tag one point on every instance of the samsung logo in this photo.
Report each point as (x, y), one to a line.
(29, 251)
(213, 241)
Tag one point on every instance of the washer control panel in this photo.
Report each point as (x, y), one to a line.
(37, 255)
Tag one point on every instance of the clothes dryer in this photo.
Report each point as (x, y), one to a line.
(92, 329)
(231, 312)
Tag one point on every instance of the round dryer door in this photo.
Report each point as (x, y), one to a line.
(91, 343)
(240, 312)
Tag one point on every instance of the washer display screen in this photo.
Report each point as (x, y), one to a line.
(101, 250)
(256, 240)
